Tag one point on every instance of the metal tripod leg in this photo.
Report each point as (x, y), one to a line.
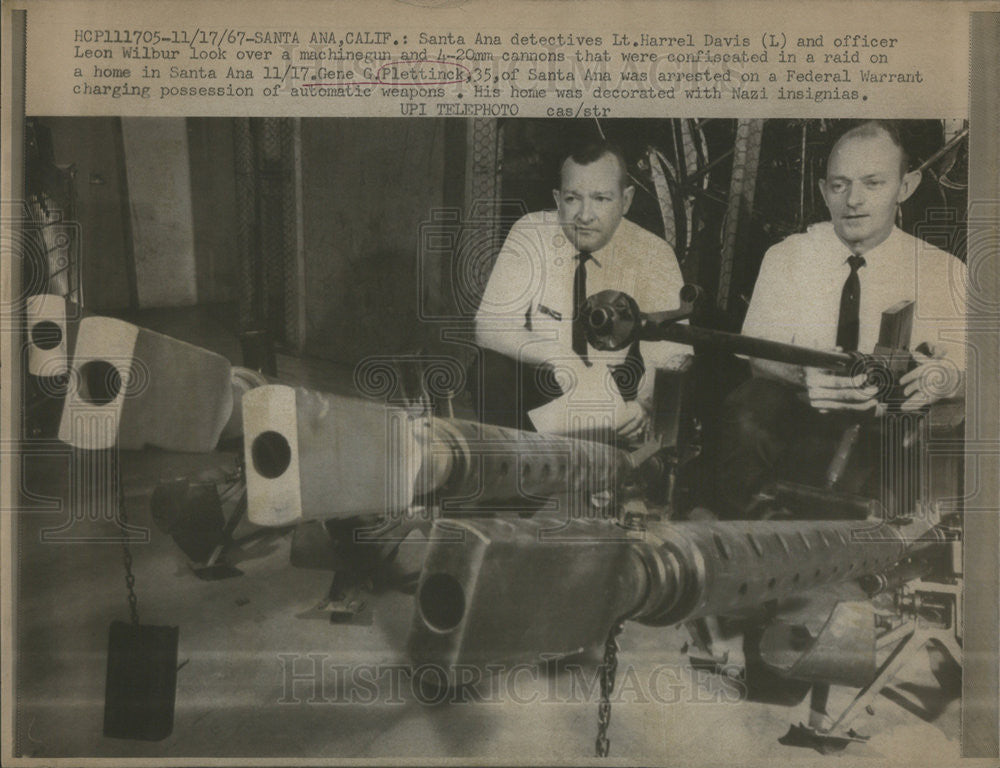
(214, 569)
(911, 640)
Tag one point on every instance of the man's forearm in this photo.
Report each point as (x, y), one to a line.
(644, 392)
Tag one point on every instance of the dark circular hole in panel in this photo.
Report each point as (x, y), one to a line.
(442, 602)
(100, 382)
(46, 335)
(271, 454)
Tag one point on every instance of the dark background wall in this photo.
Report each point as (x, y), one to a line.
(367, 186)
(213, 207)
(95, 148)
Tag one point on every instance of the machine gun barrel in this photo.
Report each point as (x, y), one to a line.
(764, 349)
(315, 455)
(465, 462)
(497, 591)
(613, 321)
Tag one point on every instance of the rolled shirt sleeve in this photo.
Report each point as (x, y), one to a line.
(516, 278)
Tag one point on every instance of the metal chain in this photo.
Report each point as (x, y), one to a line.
(133, 601)
(609, 668)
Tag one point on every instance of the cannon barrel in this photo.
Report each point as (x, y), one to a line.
(315, 455)
(613, 320)
(498, 591)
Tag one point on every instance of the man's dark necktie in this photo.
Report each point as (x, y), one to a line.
(579, 297)
(850, 306)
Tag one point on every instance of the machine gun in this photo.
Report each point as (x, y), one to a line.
(613, 321)
(497, 592)
(494, 590)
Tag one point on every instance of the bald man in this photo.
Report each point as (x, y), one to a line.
(826, 288)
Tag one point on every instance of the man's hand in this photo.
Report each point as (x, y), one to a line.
(832, 392)
(932, 380)
(631, 421)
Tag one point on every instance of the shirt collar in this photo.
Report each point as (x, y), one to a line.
(885, 247)
(841, 251)
(607, 251)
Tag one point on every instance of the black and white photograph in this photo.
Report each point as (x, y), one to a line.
(499, 439)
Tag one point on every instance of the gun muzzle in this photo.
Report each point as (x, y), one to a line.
(53, 323)
(130, 387)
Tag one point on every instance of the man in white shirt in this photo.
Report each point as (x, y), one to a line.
(827, 288)
(548, 263)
